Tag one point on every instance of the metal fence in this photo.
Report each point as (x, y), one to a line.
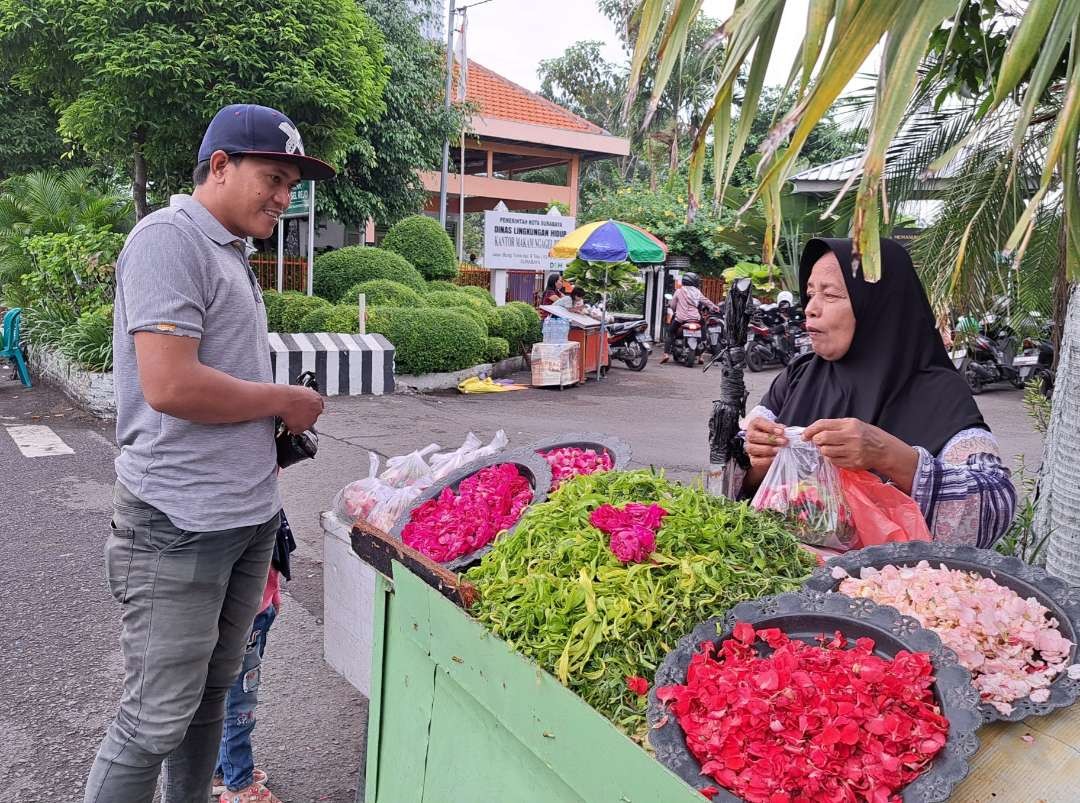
(294, 273)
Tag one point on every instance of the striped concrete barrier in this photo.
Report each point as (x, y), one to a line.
(345, 365)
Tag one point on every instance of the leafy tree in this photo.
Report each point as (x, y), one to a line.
(28, 139)
(135, 83)
(380, 178)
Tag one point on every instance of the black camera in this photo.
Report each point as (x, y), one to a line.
(292, 447)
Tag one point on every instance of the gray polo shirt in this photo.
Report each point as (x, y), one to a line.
(182, 273)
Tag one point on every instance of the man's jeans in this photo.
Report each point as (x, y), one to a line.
(236, 762)
(187, 603)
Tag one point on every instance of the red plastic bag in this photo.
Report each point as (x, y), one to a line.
(883, 513)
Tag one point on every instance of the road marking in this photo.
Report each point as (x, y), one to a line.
(38, 441)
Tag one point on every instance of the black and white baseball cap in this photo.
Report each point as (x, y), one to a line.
(245, 128)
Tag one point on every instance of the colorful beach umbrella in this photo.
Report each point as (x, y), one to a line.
(610, 241)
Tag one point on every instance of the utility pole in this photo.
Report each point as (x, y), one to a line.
(449, 89)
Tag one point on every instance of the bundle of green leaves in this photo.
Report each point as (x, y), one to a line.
(555, 591)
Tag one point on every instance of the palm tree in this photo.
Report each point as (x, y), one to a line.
(1034, 188)
(52, 202)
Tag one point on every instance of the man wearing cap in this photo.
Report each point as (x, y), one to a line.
(196, 504)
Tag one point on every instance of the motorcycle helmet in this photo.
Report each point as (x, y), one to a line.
(784, 297)
(691, 280)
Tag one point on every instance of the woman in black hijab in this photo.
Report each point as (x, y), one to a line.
(880, 393)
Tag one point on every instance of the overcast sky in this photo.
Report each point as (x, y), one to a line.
(512, 37)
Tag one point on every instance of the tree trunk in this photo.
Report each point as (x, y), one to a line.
(1057, 509)
(138, 187)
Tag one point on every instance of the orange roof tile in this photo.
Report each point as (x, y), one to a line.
(495, 96)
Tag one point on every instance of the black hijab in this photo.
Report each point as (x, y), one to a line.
(896, 375)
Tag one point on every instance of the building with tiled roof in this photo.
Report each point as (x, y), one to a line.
(513, 131)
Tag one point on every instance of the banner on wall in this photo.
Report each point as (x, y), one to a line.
(521, 241)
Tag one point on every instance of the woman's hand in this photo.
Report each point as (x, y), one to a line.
(763, 440)
(852, 444)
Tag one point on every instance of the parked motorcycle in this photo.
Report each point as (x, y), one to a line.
(1036, 362)
(773, 340)
(628, 342)
(714, 330)
(986, 359)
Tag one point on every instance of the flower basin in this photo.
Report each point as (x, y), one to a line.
(1060, 598)
(530, 465)
(805, 615)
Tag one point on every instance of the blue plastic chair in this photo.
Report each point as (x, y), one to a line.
(9, 346)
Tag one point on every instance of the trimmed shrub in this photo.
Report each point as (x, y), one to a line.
(510, 326)
(449, 298)
(438, 285)
(457, 299)
(343, 319)
(337, 271)
(384, 293)
(315, 321)
(473, 314)
(478, 292)
(424, 243)
(496, 348)
(296, 308)
(533, 329)
(429, 340)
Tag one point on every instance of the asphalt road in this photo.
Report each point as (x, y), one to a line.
(61, 662)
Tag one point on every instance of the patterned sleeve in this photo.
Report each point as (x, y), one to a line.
(966, 493)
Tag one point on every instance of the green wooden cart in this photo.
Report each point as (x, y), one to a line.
(456, 716)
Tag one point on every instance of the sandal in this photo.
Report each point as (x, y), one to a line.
(256, 793)
(219, 787)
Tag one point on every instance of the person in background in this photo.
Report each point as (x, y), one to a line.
(556, 288)
(686, 304)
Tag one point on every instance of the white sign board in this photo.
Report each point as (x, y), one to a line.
(520, 241)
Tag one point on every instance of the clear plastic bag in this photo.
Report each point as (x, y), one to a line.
(357, 499)
(805, 488)
(498, 443)
(410, 470)
(393, 506)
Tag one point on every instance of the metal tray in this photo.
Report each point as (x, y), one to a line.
(805, 615)
(1062, 600)
(531, 465)
(619, 451)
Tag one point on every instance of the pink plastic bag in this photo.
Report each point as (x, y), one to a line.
(883, 514)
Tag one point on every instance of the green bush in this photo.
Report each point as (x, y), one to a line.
(496, 349)
(297, 308)
(88, 341)
(440, 286)
(429, 340)
(533, 329)
(273, 302)
(344, 319)
(424, 243)
(384, 293)
(510, 326)
(449, 298)
(315, 321)
(337, 271)
(275, 308)
(473, 314)
(478, 292)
